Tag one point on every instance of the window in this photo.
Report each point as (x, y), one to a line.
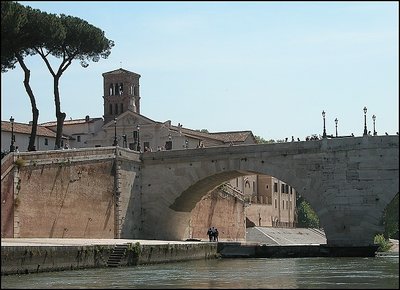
(78, 138)
(275, 186)
(283, 204)
(276, 204)
(287, 188)
(282, 188)
(46, 141)
(122, 107)
(111, 109)
(168, 145)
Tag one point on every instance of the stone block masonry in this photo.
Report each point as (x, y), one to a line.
(31, 258)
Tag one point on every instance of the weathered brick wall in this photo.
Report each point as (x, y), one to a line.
(65, 200)
(7, 206)
(222, 211)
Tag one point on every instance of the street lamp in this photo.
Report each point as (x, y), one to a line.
(12, 148)
(138, 138)
(336, 121)
(373, 119)
(324, 133)
(115, 133)
(365, 121)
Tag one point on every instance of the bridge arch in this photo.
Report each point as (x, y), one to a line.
(347, 181)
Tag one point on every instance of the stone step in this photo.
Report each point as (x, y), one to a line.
(117, 254)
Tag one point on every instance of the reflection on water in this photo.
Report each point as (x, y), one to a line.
(319, 273)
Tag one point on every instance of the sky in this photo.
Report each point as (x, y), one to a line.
(268, 67)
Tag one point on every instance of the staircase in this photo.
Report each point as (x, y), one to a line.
(117, 254)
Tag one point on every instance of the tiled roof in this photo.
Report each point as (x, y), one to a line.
(69, 122)
(26, 129)
(224, 137)
(120, 70)
(233, 136)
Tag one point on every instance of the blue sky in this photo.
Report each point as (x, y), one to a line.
(268, 67)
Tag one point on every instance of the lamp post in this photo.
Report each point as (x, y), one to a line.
(365, 121)
(373, 119)
(115, 133)
(336, 121)
(324, 133)
(138, 137)
(12, 148)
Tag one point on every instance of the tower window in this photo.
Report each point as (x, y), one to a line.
(111, 109)
(136, 90)
(116, 89)
(110, 90)
(78, 138)
(121, 89)
(116, 109)
(122, 107)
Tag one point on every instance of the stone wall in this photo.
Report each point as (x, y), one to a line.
(222, 211)
(66, 200)
(62, 194)
(34, 259)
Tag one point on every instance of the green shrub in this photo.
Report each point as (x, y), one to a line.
(19, 162)
(384, 244)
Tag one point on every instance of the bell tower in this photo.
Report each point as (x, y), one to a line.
(121, 93)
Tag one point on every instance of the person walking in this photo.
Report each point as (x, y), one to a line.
(210, 234)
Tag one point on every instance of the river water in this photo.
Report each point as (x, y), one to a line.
(321, 273)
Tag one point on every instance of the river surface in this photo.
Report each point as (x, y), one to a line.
(321, 273)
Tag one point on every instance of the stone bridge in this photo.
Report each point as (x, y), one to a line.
(347, 181)
(124, 194)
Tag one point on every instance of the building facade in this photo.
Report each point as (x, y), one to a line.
(266, 201)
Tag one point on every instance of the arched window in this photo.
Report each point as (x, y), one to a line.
(111, 90)
(110, 109)
(121, 89)
(116, 89)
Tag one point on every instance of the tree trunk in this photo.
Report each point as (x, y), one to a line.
(60, 115)
(35, 111)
